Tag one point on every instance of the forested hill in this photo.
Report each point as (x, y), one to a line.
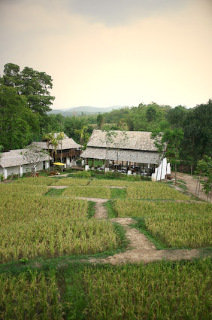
(85, 110)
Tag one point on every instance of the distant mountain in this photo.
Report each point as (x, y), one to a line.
(83, 110)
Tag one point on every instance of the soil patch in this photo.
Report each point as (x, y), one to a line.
(100, 210)
(57, 187)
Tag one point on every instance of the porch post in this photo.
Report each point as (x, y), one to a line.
(5, 173)
(21, 171)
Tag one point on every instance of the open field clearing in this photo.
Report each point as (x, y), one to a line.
(47, 227)
(154, 190)
(30, 295)
(87, 191)
(175, 224)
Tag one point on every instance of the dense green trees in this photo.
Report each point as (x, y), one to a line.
(24, 102)
(32, 84)
(18, 124)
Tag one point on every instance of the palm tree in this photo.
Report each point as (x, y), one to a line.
(60, 138)
(49, 137)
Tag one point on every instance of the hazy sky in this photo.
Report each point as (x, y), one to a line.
(113, 52)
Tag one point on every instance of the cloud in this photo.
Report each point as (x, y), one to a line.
(119, 12)
(108, 12)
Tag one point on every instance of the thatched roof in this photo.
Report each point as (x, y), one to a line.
(130, 140)
(121, 155)
(67, 143)
(15, 158)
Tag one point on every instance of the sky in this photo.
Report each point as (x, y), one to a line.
(113, 52)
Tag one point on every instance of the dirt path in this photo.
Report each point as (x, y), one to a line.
(57, 187)
(191, 185)
(140, 249)
(100, 210)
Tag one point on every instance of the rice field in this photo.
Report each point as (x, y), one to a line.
(18, 189)
(169, 291)
(33, 226)
(71, 182)
(175, 224)
(154, 190)
(87, 191)
(154, 291)
(41, 180)
(30, 295)
(109, 183)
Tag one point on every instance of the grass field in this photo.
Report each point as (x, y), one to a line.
(40, 228)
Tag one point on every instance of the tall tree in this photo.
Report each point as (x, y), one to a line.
(34, 85)
(168, 142)
(17, 122)
(100, 121)
(197, 129)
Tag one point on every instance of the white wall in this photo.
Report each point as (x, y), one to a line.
(16, 170)
(161, 171)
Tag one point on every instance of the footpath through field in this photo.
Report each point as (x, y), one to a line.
(140, 249)
(192, 185)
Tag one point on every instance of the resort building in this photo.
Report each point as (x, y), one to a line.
(20, 161)
(133, 151)
(66, 150)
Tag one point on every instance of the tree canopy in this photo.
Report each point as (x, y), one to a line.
(32, 84)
